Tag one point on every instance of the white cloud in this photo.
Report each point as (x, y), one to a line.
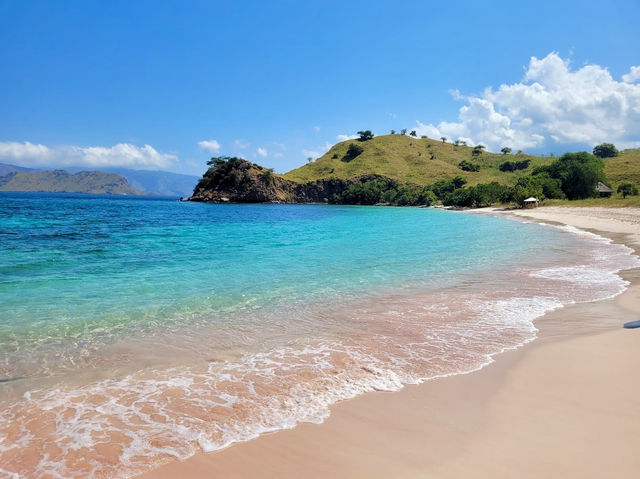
(552, 104)
(633, 75)
(346, 137)
(261, 152)
(212, 146)
(13, 151)
(241, 144)
(316, 128)
(122, 154)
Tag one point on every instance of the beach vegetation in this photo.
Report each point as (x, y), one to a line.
(479, 196)
(578, 173)
(627, 189)
(380, 190)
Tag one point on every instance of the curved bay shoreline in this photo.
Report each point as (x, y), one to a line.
(564, 404)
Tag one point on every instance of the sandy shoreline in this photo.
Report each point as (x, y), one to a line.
(565, 405)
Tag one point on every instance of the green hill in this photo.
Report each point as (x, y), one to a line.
(60, 181)
(404, 170)
(419, 161)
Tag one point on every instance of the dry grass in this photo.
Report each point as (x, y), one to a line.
(414, 160)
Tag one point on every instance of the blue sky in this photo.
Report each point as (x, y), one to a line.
(167, 85)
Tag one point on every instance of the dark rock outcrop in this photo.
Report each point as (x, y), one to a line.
(239, 181)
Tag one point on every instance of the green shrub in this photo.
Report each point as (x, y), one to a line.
(353, 151)
(467, 166)
(514, 165)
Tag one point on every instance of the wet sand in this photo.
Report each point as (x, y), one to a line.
(566, 405)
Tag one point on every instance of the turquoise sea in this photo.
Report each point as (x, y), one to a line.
(134, 331)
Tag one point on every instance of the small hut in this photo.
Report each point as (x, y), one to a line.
(530, 202)
(603, 190)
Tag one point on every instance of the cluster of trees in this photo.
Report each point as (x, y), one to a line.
(514, 165)
(383, 190)
(477, 196)
(387, 191)
(573, 176)
(226, 171)
(578, 174)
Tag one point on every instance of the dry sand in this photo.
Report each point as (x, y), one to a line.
(566, 405)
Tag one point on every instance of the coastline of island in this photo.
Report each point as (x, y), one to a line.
(561, 405)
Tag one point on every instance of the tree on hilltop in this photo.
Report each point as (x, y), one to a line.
(605, 150)
(220, 160)
(365, 135)
(403, 131)
(506, 150)
(444, 139)
(413, 133)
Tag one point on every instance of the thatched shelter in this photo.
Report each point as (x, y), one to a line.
(603, 190)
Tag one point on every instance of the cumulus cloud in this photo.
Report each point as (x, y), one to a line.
(122, 154)
(552, 105)
(261, 152)
(212, 146)
(633, 75)
(346, 137)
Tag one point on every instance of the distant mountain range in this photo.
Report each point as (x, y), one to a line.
(6, 169)
(159, 183)
(60, 181)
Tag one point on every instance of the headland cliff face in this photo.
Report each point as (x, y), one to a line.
(239, 181)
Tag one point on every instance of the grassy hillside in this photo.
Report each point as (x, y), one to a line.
(60, 181)
(414, 160)
(623, 168)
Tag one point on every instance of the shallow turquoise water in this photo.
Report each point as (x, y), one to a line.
(73, 264)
